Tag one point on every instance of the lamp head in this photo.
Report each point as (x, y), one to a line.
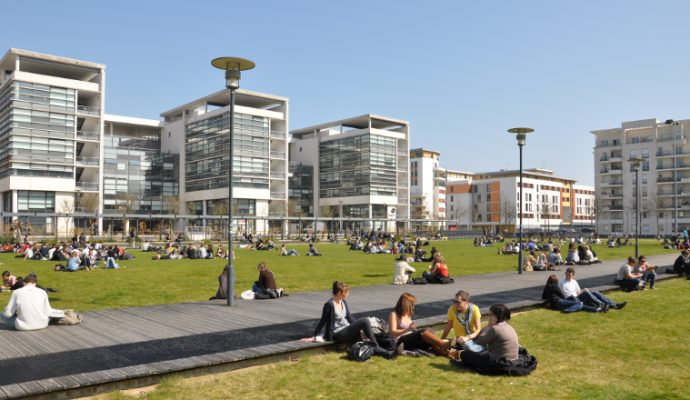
(232, 67)
(520, 134)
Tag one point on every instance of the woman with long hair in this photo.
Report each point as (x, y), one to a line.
(404, 332)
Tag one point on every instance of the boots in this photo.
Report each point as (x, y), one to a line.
(440, 347)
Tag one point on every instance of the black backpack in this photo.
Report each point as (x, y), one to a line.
(523, 366)
(361, 351)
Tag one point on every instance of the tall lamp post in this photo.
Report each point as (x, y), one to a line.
(521, 136)
(232, 67)
(636, 162)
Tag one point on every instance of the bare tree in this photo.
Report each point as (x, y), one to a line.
(508, 213)
(67, 207)
(295, 208)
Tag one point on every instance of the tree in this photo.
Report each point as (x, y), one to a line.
(508, 213)
(67, 207)
(295, 208)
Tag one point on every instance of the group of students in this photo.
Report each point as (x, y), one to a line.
(437, 271)
(477, 348)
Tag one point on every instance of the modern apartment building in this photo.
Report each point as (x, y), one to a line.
(62, 154)
(360, 169)
(664, 177)
(51, 136)
(490, 201)
(199, 132)
(427, 186)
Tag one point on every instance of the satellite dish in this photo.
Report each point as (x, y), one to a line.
(392, 211)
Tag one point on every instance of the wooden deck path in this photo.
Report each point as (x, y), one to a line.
(138, 344)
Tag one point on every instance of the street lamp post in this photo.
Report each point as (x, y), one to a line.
(232, 67)
(521, 136)
(636, 162)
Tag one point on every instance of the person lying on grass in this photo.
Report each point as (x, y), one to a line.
(570, 288)
(555, 299)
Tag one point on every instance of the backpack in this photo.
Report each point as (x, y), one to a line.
(361, 351)
(445, 280)
(70, 318)
(418, 281)
(523, 366)
(377, 325)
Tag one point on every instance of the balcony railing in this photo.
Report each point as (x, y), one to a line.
(278, 135)
(88, 135)
(277, 175)
(278, 195)
(87, 160)
(88, 110)
(278, 154)
(87, 186)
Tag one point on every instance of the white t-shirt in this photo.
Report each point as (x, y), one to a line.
(569, 288)
(32, 308)
(623, 272)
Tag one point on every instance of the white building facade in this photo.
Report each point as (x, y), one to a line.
(360, 169)
(198, 131)
(427, 186)
(664, 177)
(491, 201)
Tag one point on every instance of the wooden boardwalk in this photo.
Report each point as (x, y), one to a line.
(136, 344)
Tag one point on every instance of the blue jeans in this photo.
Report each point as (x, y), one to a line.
(470, 345)
(110, 263)
(8, 321)
(595, 299)
(649, 276)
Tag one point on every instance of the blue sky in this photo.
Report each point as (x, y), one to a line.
(461, 72)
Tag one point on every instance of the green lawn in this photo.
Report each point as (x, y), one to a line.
(640, 352)
(146, 282)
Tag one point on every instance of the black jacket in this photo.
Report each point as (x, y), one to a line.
(327, 320)
(552, 293)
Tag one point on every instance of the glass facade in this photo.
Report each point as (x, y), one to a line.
(138, 178)
(35, 201)
(37, 126)
(301, 190)
(359, 165)
(206, 144)
(240, 207)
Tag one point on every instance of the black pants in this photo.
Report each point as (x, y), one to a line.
(413, 341)
(352, 333)
(476, 360)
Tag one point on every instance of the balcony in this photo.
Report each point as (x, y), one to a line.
(91, 161)
(88, 110)
(277, 154)
(278, 135)
(82, 135)
(278, 195)
(277, 175)
(86, 186)
(612, 183)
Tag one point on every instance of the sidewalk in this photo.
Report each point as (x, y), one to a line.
(141, 343)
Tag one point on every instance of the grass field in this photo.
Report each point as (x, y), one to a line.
(147, 282)
(640, 352)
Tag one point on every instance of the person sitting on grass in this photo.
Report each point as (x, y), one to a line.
(220, 253)
(647, 270)
(570, 288)
(438, 270)
(464, 318)
(313, 251)
(285, 252)
(627, 278)
(555, 257)
(555, 299)
(29, 308)
(265, 287)
(8, 280)
(682, 265)
(338, 325)
(590, 256)
(403, 271)
(500, 339)
(405, 335)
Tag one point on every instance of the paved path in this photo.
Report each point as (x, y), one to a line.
(134, 343)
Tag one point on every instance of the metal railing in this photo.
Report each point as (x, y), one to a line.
(87, 160)
(87, 186)
(88, 135)
(89, 110)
